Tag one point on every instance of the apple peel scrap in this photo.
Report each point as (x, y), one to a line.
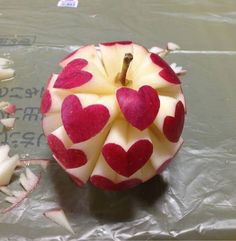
(7, 165)
(41, 162)
(114, 114)
(6, 73)
(28, 181)
(58, 216)
(170, 47)
(8, 123)
(7, 107)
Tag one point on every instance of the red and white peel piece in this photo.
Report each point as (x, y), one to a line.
(29, 182)
(7, 165)
(41, 162)
(58, 216)
(172, 46)
(8, 123)
(7, 107)
(178, 69)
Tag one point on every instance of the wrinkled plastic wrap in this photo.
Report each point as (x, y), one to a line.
(195, 196)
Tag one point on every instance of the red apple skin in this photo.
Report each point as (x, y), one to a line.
(170, 76)
(141, 107)
(11, 109)
(46, 102)
(81, 123)
(173, 125)
(68, 158)
(76, 180)
(73, 75)
(127, 163)
(159, 61)
(126, 42)
(166, 73)
(107, 184)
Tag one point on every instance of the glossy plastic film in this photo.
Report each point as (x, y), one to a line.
(194, 198)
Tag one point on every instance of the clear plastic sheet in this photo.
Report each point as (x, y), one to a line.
(195, 196)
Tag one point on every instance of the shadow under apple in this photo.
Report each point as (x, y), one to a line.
(104, 206)
(122, 206)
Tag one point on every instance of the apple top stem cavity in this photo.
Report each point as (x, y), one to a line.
(126, 62)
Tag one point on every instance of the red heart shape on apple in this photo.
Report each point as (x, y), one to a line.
(173, 125)
(46, 102)
(166, 73)
(72, 75)
(127, 163)
(82, 123)
(140, 107)
(68, 158)
(107, 184)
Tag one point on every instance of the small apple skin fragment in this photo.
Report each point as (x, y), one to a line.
(10, 109)
(8, 122)
(141, 107)
(58, 216)
(7, 168)
(29, 182)
(4, 150)
(6, 74)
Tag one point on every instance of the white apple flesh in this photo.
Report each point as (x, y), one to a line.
(7, 165)
(114, 122)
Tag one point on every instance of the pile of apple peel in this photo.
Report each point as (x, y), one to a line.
(114, 114)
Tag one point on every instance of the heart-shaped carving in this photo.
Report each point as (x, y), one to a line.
(166, 73)
(82, 123)
(169, 75)
(127, 163)
(173, 125)
(107, 184)
(72, 75)
(140, 107)
(68, 158)
(156, 59)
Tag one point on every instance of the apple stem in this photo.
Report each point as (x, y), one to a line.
(126, 62)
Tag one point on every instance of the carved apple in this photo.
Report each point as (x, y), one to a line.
(114, 115)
